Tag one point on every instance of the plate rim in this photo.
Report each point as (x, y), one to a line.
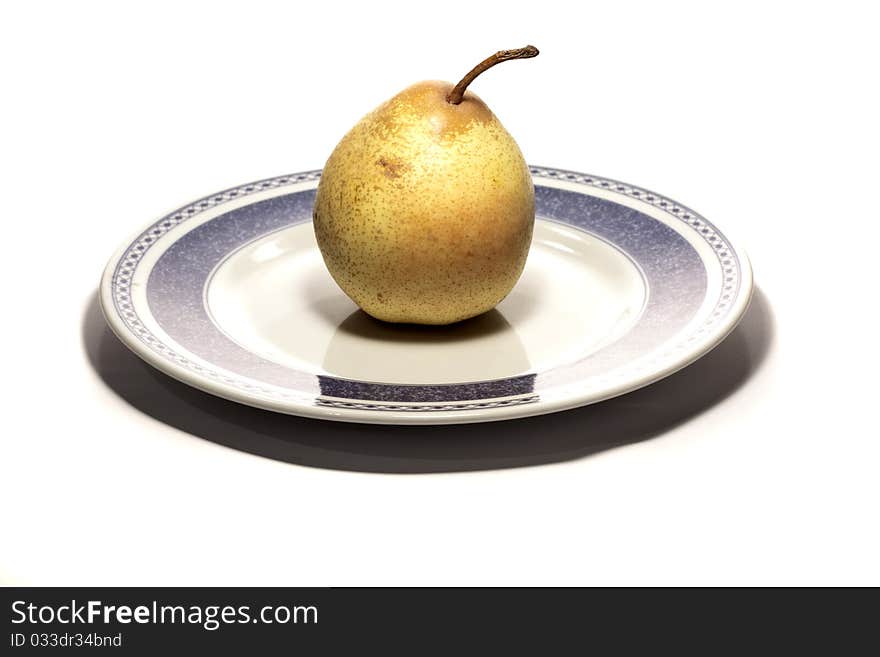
(466, 412)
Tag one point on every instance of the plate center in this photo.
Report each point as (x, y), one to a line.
(275, 298)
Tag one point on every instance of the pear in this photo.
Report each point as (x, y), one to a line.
(425, 209)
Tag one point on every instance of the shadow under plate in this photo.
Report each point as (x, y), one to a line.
(630, 418)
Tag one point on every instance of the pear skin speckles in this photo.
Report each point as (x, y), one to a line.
(425, 210)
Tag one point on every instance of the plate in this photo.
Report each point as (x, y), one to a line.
(622, 287)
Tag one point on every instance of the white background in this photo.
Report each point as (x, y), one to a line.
(757, 466)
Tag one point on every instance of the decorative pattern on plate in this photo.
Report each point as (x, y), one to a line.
(712, 235)
(127, 264)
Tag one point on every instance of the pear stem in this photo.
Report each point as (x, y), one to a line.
(457, 94)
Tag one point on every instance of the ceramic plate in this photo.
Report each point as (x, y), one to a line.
(230, 295)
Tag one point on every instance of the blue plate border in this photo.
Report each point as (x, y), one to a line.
(335, 392)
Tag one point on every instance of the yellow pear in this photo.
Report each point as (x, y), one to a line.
(425, 209)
